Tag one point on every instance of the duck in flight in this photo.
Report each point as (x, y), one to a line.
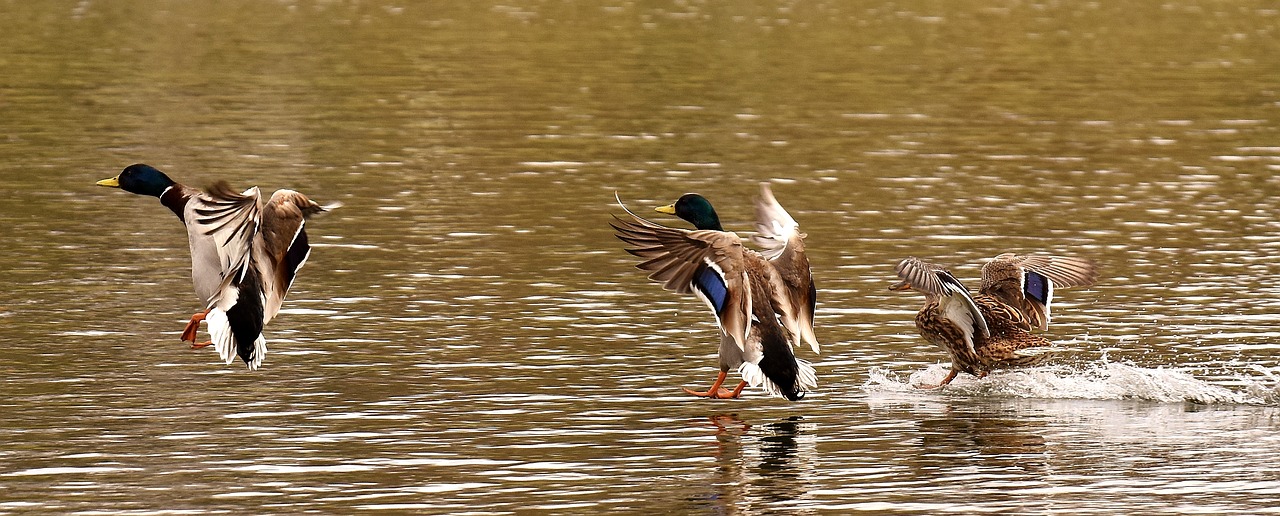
(244, 254)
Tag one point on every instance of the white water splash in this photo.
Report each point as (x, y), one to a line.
(1102, 381)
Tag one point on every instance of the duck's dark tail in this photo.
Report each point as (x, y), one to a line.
(779, 371)
(246, 320)
(237, 330)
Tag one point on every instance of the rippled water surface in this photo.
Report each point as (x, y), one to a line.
(469, 337)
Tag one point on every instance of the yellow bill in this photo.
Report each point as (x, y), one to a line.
(669, 209)
(113, 182)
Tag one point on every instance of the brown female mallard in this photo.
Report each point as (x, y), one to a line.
(984, 332)
(763, 302)
(244, 254)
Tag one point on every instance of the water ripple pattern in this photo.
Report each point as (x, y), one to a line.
(468, 336)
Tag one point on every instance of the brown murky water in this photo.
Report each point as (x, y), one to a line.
(468, 336)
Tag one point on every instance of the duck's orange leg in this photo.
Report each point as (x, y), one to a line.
(201, 345)
(189, 333)
(716, 392)
(950, 376)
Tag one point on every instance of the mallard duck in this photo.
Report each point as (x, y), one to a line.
(985, 332)
(244, 254)
(763, 303)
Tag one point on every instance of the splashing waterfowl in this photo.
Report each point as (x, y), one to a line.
(985, 332)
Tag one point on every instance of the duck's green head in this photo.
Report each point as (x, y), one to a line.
(696, 209)
(140, 179)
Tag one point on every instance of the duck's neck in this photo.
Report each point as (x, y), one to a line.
(707, 221)
(175, 198)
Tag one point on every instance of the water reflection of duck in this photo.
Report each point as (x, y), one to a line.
(984, 332)
(779, 443)
(762, 464)
(244, 254)
(762, 302)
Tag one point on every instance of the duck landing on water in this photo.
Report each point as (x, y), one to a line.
(763, 301)
(985, 332)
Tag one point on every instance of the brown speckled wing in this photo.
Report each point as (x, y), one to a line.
(922, 275)
(706, 263)
(1065, 271)
(283, 246)
(1009, 333)
(1009, 277)
(955, 302)
(782, 243)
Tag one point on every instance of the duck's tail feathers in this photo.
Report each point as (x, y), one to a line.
(229, 347)
(808, 377)
(805, 380)
(779, 372)
(755, 377)
(236, 327)
(254, 361)
(220, 334)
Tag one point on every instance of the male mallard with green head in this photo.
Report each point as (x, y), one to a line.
(763, 303)
(984, 332)
(244, 254)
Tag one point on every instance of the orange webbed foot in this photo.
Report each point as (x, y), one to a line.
(189, 333)
(201, 345)
(719, 393)
(716, 392)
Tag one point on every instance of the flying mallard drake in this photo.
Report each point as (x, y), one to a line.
(985, 332)
(244, 254)
(763, 302)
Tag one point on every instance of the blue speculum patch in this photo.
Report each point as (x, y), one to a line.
(712, 285)
(1037, 287)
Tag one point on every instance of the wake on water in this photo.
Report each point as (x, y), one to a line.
(1099, 381)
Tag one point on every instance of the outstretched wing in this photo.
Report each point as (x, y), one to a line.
(1027, 281)
(782, 243)
(921, 275)
(231, 220)
(283, 248)
(226, 224)
(1065, 271)
(774, 226)
(954, 300)
(706, 263)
